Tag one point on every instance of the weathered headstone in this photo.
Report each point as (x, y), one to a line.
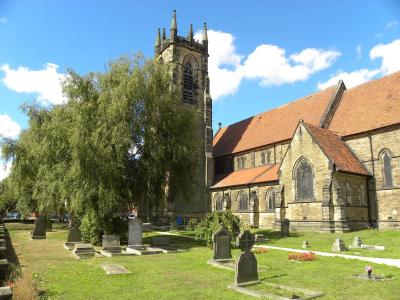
(222, 244)
(83, 251)
(113, 269)
(338, 246)
(357, 242)
(305, 245)
(6, 293)
(74, 235)
(246, 266)
(39, 231)
(285, 225)
(110, 245)
(135, 232)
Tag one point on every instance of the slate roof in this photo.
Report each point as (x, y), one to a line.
(272, 126)
(374, 104)
(248, 176)
(336, 150)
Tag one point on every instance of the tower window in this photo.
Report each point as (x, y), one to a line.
(271, 199)
(243, 200)
(188, 84)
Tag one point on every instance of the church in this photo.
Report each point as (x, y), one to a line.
(329, 161)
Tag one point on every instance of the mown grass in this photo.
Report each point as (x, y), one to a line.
(324, 241)
(186, 275)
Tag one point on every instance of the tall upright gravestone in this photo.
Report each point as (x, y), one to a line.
(246, 266)
(74, 235)
(135, 233)
(39, 231)
(222, 245)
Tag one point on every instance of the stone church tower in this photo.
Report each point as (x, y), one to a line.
(189, 59)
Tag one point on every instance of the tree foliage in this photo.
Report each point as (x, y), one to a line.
(122, 139)
(205, 227)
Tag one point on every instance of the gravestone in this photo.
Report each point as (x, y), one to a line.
(113, 269)
(110, 245)
(285, 224)
(246, 266)
(338, 246)
(83, 251)
(135, 232)
(305, 245)
(222, 245)
(39, 231)
(357, 242)
(74, 235)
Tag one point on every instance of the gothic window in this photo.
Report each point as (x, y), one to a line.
(243, 200)
(219, 202)
(348, 193)
(362, 195)
(268, 157)
(271, 195)
(387, 169)
(263, 157)
(304, 181)
(227, 201)
(188, 84)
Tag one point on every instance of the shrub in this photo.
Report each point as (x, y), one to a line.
(206, 226)
(309, 256)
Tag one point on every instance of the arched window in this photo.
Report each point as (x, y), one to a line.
(387, 169)
(271, 195)
(348, 193)
(188, 83)
(362, 195)
(304, 181)
(268, 157)
(243, 200)
(227, 201)
(263, 157)
(219, 202)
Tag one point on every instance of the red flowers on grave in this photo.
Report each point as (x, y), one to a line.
(368, 269)
(259, 250)
(307, 256)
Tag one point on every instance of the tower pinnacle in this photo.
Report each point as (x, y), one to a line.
(174, 28)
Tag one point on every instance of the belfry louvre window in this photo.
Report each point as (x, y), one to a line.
(188, 84)
(304, 181)
(387, 169)
(243, 200)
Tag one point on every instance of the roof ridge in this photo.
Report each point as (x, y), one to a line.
(371, 81)
(283, 105)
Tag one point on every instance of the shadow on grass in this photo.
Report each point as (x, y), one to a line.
(274, 236)
(178, 241)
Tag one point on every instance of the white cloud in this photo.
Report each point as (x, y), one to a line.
(5, 169)
(267, 63)
(389, 53)
(8, 127)
(46, 83)
(3, 20)
(223, 63)
(350, 79)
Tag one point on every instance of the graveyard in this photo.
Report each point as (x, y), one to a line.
(51, 271)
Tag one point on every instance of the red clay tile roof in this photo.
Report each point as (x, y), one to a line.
(369, 106)
(336, 150)
(248, 176)
(272, 126)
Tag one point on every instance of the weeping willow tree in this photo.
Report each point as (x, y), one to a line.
(121, 139)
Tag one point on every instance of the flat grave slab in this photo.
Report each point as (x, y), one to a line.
(373, 247)
(114, 269)
(167, 249)
(268, 290)
(5, 293)
(83, 251)
(143, 251)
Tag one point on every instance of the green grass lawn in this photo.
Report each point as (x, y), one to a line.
(187, 275)
(324, 241)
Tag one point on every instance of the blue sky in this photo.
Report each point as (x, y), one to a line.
(262, 53)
